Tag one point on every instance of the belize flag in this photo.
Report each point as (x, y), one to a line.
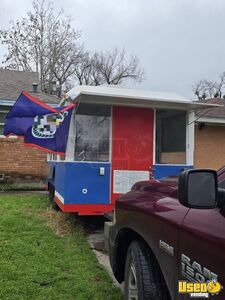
(41, 125)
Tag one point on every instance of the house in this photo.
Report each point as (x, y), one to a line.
(210, 136)
(16, 160)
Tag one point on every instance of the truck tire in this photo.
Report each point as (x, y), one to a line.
(143, 277)
(51, 195)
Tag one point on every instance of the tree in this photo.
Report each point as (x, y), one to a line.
(206, 89)
(108, 67)
(43, 41)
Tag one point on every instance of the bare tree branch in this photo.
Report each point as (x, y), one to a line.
(206, 89)
(108, 67)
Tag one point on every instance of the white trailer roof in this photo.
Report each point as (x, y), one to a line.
(133, 97)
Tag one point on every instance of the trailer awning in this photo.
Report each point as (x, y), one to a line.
(132, 97)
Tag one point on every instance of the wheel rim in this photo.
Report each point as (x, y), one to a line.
(132, 283)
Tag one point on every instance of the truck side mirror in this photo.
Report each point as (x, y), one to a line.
(198, 188)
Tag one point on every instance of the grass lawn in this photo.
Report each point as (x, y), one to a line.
(44, 255)
(4, 186)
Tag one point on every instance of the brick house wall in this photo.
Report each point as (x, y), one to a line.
(20, 162)
(209, 147)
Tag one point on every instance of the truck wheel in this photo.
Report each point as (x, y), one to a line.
(51, 198)
(143, 277)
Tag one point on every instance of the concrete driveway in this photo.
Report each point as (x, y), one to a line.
(94, 227)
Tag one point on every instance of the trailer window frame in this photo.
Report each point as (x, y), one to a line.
(170, 152)
(92, 112)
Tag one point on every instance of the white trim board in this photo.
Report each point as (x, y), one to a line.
(61, 199)
(210, 120)
(132, 97)
(190, 137)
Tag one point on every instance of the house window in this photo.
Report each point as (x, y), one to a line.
(92, 125)
(55, 157)
(170, 137)
(2, 121)
(51, 157)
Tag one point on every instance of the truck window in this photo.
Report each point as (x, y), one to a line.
(92, 127)
(170, 137)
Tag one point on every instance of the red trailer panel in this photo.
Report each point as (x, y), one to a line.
(132, 142)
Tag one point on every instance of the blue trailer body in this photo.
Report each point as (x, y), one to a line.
(166, 170)
(87, 184)
(82, 182)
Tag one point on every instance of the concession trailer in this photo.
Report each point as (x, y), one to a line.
(117, 137)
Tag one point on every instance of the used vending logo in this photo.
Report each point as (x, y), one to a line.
(201, 281)
(199, 290)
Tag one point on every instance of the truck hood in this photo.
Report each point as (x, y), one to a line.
(166, 186)
(154, 197)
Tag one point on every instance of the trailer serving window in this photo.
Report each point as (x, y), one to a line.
(170, 137)
(92, 130)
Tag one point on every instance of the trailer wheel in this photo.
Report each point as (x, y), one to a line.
(51, 195)
(143, 277)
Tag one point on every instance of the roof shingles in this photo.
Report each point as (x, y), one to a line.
(13, 82)
(214, 112)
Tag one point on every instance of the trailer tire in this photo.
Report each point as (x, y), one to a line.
(51, 195)
(143, 277)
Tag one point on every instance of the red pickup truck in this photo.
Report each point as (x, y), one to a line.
(167, 239)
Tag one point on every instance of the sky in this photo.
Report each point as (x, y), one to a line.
(178, 42)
